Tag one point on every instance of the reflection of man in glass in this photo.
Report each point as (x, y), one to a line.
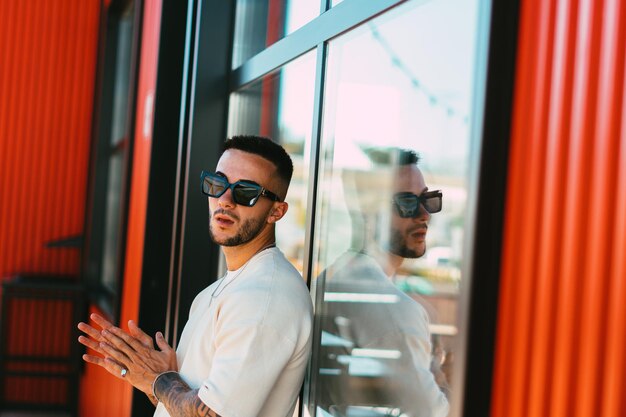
(376, 341)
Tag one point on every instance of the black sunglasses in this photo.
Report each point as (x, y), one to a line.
(408, 204)
(245, 193)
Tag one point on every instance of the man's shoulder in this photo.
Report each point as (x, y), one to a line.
(273, 264)
(270, 279)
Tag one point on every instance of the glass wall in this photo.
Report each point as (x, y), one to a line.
(381, 113)
(391, 211)
(115, 128)
(280, 106)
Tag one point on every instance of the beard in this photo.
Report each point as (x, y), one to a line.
(248, 231)
(398, 246)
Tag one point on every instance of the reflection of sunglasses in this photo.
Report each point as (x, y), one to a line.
(408, 204)
(245, 193)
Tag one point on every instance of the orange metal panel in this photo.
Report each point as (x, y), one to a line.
(600, 214)
(511, 343)
(141, 159)
(26, 340)
(47, 73)
(547, 118)
(47, 61)
(568, 337)
(613, 399)
(561, 333)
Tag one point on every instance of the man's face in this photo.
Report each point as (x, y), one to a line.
(231, 224)
(407, 236)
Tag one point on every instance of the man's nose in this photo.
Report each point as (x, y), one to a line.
(226, 199)
(423, 214)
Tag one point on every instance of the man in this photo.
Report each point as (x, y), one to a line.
(245, 346)
(384, 356)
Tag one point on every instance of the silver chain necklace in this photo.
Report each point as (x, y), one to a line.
(221, 289)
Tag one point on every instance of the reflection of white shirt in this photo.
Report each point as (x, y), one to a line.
(363, 307)
(248, 339)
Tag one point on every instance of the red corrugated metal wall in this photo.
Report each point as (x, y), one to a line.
(39, 365)
(561, 330)
(103, 395)
(48, 52)
(47, 72)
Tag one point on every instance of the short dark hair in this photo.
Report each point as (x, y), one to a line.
(407, 157)
(266, 148)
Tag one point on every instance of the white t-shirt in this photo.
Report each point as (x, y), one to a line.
(248, 339)
(386, 319)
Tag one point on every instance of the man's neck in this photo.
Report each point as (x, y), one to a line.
(237, 256)
(389, 262)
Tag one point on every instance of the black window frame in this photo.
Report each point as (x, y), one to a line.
(103, 150)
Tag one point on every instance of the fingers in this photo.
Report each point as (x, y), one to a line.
(112, 352)
(94, 338)
(139, 334)
(96, 360)
(101, 321)
(114, 368)
(111, 366)
(92, 332)
(122, 340)
(89, 331)
(90, 343)
(167, 351)
(162, 343)
(114, 360)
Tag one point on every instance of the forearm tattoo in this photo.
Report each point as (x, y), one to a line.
(153, 400)
(179, 399)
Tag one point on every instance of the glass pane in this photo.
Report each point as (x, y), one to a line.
(387, 272)
(119, 116)
(260, 23)
(280, 106)
(112, 222)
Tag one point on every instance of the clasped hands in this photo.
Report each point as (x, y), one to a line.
(132, 351)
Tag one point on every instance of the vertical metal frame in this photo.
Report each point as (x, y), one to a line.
(163, 195)
(179, 190)
(100, 155)
(479, 308)
(308, 391)
(198, 257)
(130, 135)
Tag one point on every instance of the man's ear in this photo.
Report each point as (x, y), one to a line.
(278, 211)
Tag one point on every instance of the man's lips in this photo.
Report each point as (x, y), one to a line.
(419, 232)
(224, 218)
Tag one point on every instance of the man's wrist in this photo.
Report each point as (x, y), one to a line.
(155, 384)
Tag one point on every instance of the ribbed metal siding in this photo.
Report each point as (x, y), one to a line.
(38, 352)
(561, 331)
(47, 73)
(40, 359)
